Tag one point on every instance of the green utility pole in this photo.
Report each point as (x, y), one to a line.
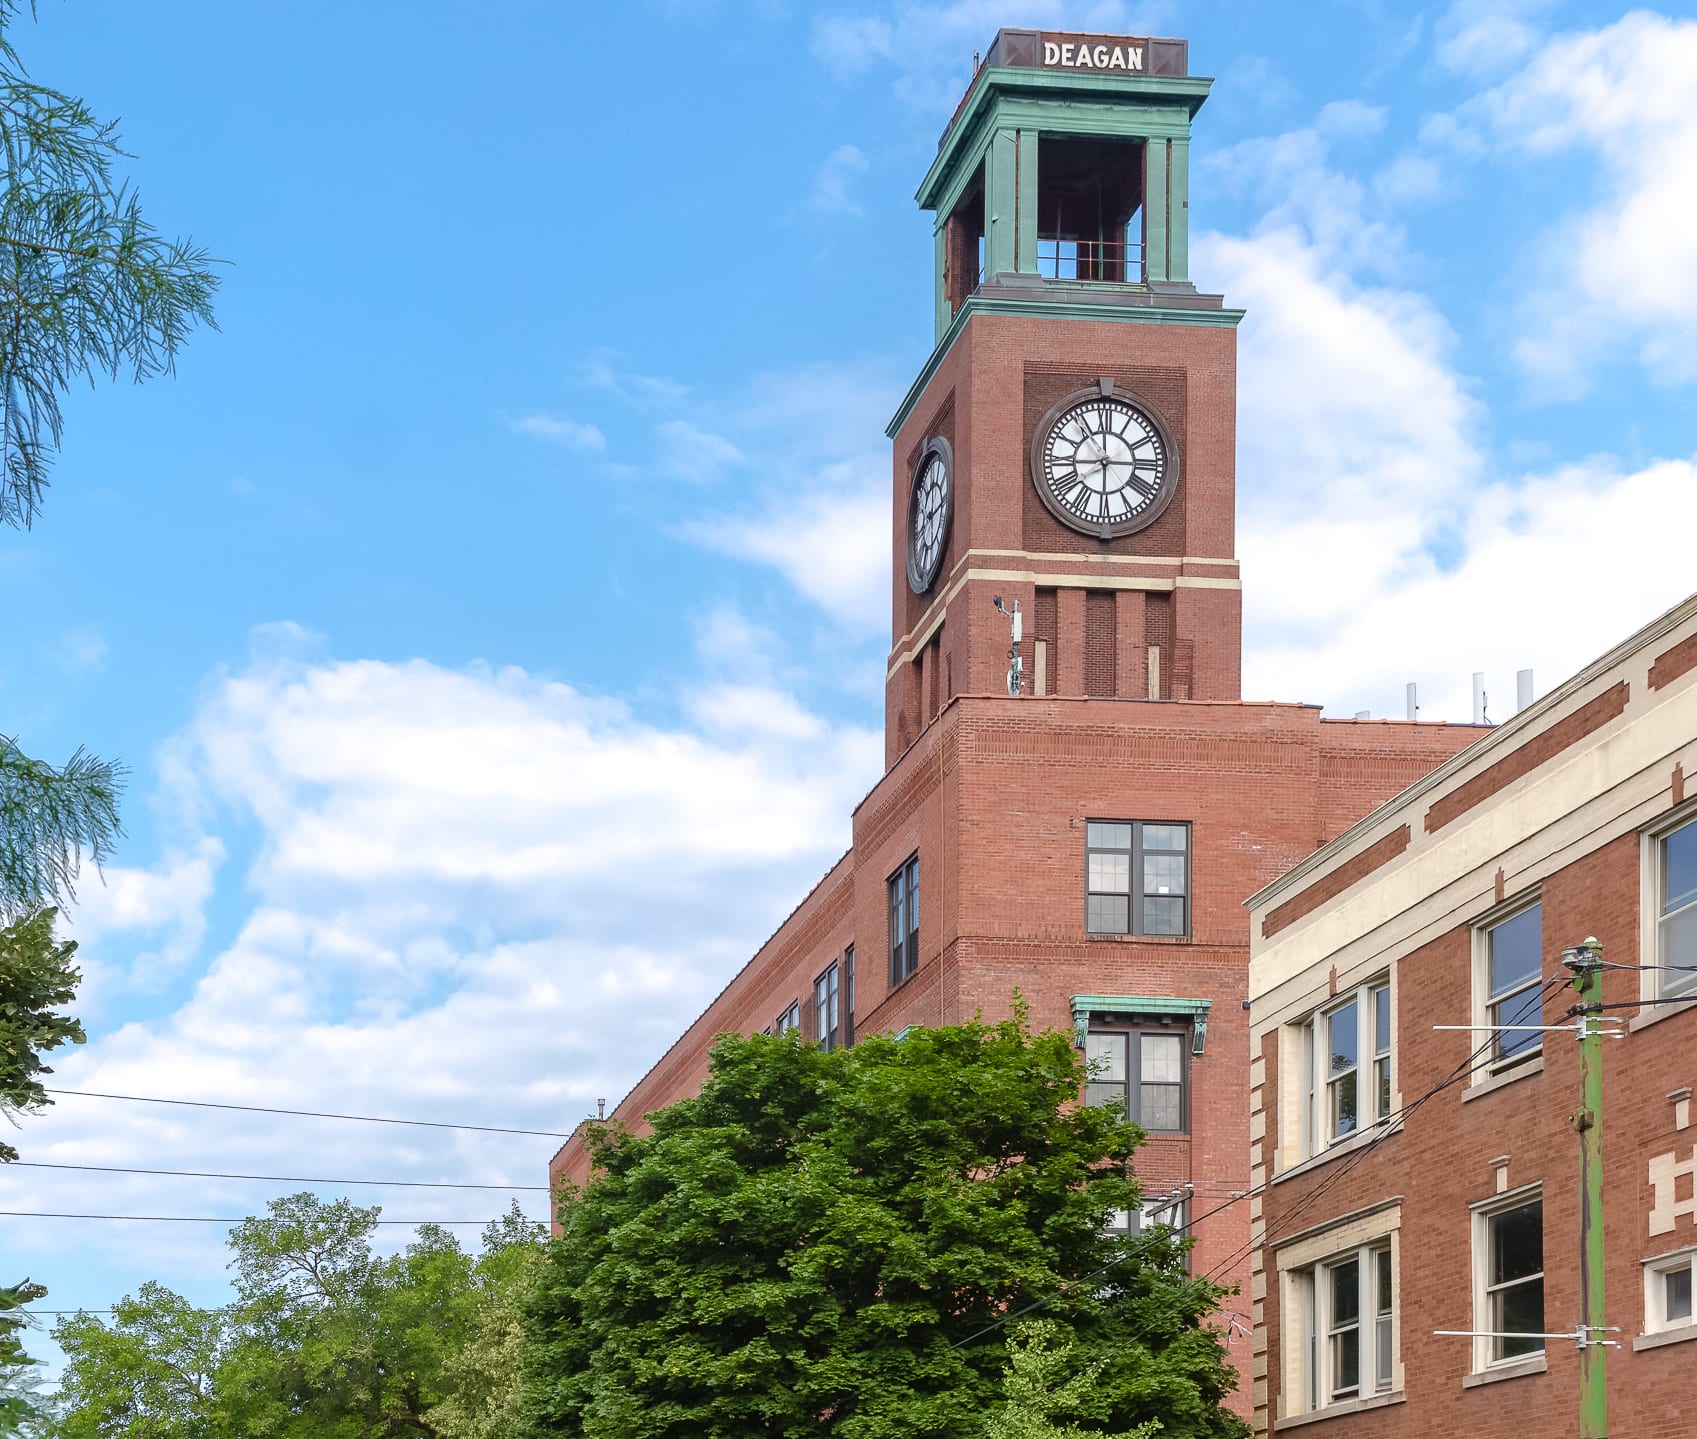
(1586, 962)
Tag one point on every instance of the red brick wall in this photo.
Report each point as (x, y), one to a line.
(1441, 1164)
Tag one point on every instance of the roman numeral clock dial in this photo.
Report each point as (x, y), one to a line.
(928, 513)
(1103, 464)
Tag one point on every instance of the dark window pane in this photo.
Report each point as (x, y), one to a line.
(1163, 916)
(1382, 1019)
(1346, 1363)
(1517, 1243)
(1382, 1295)
(1113, 1094)
(1382, 1075)
(1110, 873)
(1343, 1038)
(1527, 1007)
(1163, 874)
(1679, 868)
(1108, 914)
(1676, 1295)
(1346, 1292)
(1517, 950)
(1105, 1054)
(1522, 1313)
(1345, 1113)
(1163, 1106)
(1678, 945)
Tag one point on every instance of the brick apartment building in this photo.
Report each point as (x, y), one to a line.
(1388, 1215)
(1068, 450)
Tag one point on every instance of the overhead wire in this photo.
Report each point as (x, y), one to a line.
(274, 1178)
(312, 1113)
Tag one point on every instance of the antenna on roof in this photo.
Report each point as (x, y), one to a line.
(601, 1109)
(1413, 702)
(1480, 698)
(1522, 689)
(1016, 620)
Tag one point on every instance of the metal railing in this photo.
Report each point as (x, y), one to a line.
(1112, 262)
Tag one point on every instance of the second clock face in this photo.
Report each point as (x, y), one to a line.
(928, 514)
(1102, 464)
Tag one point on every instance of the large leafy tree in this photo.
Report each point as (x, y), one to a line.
(324, 1340)
(830, 1243)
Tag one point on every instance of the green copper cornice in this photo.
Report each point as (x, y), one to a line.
(1128, 107)
(1059, 308)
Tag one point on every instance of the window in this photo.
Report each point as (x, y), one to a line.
(1172, 1210)
(1509, 986)
(1137, 878)
(904, 921)
(1667, 1292)
(825, 1008)
(1346, 1313)
(848, 995)
(1349, 1054)
(1140, 1071)
(1676, 911)
(1508, 1252)
(788, 1020)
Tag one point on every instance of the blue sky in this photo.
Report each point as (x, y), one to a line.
(492, 613)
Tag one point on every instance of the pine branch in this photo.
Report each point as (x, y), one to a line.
(88, 287)
(51, 821)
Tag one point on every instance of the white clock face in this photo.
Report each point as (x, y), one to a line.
(928, 514)
(1102, 465)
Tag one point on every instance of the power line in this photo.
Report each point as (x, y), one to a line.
(274, 1178)
(208, 1218)
(312, 1113)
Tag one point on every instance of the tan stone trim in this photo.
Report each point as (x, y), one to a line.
(915, 640)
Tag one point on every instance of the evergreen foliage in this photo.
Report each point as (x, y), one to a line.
(830, 1243)
(87, 286)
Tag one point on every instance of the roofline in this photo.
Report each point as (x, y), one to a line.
(1505, 736)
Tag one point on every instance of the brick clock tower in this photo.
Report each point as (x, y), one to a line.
(1069, 445)
(1085, 839)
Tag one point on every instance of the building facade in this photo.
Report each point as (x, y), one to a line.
(1083, 830)
(1418, 1227)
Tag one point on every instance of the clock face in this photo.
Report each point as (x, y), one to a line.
(928, 513)
(1103, 464)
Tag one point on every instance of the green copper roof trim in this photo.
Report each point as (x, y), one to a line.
(1057, 309)
(1071, 103)
(1129, 1005)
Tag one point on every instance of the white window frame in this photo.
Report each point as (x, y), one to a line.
(1656, 1271)
(1374, 1106)
(1489, 1065)
(1312, 1289)
(1484, 1319)
(1655, 983)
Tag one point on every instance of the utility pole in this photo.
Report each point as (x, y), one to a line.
(1585, 960)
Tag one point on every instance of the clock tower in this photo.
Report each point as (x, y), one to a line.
(1069, 444)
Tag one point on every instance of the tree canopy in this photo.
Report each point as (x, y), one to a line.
(832, 1243)
(324, 1340)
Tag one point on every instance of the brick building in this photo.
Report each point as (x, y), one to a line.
(1067, 453)
(1422, 1179)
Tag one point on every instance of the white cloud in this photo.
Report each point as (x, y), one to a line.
(930, 46)
(689, 452)
(1477, 37)
(472, 894)
(571, 434)
(834, 185)
(1621, 271)
(81, 649)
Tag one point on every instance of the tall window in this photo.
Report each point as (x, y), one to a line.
(1512, 966)
(1142, 1073)
(1349, 1049)
(1137, 878)
(788, 1020)
(1508, 1239)
(1172, 1210)
(848, 995)
(1346, 1314)
(1676, 905)
(904, 921)
(826, 1008)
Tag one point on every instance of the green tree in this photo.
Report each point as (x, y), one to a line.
(830, 1243)
(324, 1340)
(1043, 1379)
